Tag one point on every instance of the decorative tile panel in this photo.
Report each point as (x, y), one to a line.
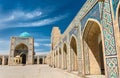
(112, 67)
(109, 41)
(86, 7)
(110, 46)
(94, 13)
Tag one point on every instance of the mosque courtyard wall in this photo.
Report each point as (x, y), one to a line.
(90, 45)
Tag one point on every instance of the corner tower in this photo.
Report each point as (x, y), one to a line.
(55, 36)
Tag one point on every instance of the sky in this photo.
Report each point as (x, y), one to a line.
(37, 17)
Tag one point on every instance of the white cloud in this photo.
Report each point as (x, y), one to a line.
(20, 18)
(26, 15)
(39, 50)
(47, 45)
(20, 15)
(7, 19)
(34, 14)
(42, 40)
(36, 44)
(41, 53)
(44, 21)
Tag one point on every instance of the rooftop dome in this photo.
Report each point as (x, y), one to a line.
(25, 34)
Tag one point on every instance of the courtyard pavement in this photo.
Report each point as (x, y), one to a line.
(35, 71)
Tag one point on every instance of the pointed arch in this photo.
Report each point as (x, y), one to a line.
(60, 58)
(74, 54)
(65, 53)
(93, 48)
(22, 51)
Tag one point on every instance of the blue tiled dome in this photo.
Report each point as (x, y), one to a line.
(25, 34)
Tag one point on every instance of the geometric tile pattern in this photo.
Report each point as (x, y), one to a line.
(86, 7)
(112, 67)
(94, 13)
(109, 39)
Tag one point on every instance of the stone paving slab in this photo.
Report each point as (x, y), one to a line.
(33, 71)
(37, 71)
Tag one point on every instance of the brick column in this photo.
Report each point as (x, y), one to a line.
(58, 58)
(38, 60)
(3, 60)
(44, 60)
(62, 54)
(69, 55)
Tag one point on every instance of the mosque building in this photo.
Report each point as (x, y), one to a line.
(22, 52)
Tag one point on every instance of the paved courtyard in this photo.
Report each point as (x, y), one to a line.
(35, 71)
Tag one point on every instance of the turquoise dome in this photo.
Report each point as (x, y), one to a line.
(25, 34)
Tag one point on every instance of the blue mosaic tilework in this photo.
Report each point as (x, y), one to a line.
(112, 67)
(114, 5)
(93, 13)
(73, 31)
(109, 40)
(86, 7)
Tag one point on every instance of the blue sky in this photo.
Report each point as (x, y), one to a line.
(36, 17)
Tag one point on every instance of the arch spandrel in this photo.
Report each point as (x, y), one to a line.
(93, 13)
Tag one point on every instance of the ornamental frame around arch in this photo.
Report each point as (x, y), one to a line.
(117, 13)
(73, 37)
(75, 40)
(102, 37)
(100, 26)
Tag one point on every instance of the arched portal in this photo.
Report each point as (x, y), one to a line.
(92, 47)
(56, 58)
(0, 61)
(73, 50)
(23, 58)
(41, 61)
(60, 58)
(22, 51)
(65, 55)
(35, 61)
(6, 62)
